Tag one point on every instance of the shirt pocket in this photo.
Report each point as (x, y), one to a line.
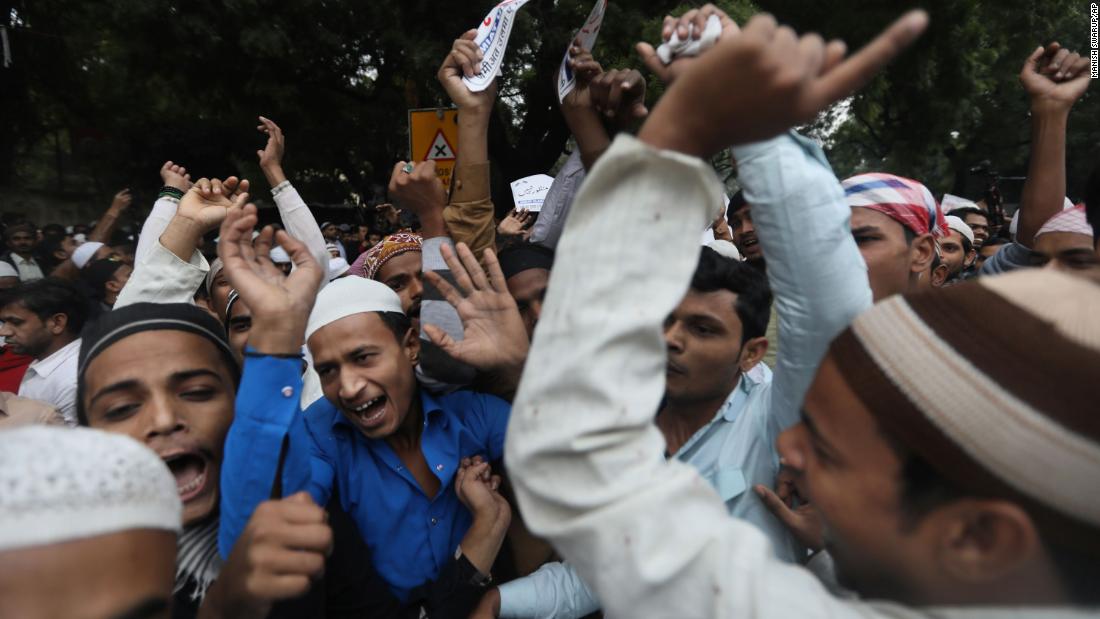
(728, 482)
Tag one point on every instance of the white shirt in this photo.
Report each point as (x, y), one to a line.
(649, 535)
(27, 267)
(53, 380)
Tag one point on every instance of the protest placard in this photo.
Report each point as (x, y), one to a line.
(529, 193)
(492, 37)
(587, 35)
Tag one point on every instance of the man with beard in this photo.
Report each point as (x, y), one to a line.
(930, 512)
(956, 248)
(739, 216)
(396, 263)
(42, 319)
(88, 526)
(21, 241)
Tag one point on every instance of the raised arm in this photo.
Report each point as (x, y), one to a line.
(102, 232)
(469, 216)
(268, 428)
(1054, 80)
(176, 183)
(297, 218)
(173, 269)
(649, 535)
(106, 225)
(421, 192)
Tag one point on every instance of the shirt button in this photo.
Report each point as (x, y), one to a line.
(288, 391)
(439, 467)
(434, 521)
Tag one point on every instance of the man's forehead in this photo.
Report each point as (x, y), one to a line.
(175, 351)
(528, 282)
(402, 264)
(835, 411)
(350, 333)
(717, 304)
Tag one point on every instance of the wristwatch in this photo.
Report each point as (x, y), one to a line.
(470, 572)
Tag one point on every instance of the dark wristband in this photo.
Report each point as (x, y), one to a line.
(170, 192)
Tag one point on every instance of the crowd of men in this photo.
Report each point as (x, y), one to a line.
(814, 397)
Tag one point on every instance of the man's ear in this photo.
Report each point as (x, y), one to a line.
(57, 323)
(921, 252)
(983, 540)
(411, 344)
(939, 275)
(970, 258)
(752, 352)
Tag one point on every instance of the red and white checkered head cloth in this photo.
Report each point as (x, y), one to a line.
(1070, 220)
(902, 199)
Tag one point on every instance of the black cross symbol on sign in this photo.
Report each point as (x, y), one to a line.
(440, 150)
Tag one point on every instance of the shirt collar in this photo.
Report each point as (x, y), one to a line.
(22, 260)
(47, 366)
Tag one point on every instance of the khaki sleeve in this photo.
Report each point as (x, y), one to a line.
(469, 216)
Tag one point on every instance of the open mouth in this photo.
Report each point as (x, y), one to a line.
(414, 311)
(371, 412)
(189, 469)
(748, 242)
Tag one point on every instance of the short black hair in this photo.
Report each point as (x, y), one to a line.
(963, 211)
(737, 202)
(397, 322)
(49, 297)
(53, 231)
(24, 226)
(754, 296)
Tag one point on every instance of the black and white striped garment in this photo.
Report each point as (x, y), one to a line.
(197, 560)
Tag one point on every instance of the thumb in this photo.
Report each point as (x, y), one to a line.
(300, 497)
(1032, 63)
(853, 73)
(651, 60)
(440, 338)
(775, 505)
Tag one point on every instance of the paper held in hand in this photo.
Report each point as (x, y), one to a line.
(492, 38)
(587, 35)
(529, 193)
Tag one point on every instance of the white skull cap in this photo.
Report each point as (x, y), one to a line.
(64, 484)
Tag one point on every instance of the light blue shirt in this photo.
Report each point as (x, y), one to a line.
(733, 452)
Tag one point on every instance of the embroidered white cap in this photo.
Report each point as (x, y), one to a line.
(64, 484)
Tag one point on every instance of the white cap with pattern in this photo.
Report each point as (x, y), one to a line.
(64, 484)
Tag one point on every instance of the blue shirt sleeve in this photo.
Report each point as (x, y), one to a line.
(486, 417)
(267, 415)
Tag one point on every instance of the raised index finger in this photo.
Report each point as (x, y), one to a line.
(853, 73)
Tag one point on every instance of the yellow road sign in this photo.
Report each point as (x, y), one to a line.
(433, 135)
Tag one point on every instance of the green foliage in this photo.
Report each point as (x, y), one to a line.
(101, 92)
(960, 77)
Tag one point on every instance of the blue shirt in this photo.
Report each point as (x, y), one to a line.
(410, 535)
